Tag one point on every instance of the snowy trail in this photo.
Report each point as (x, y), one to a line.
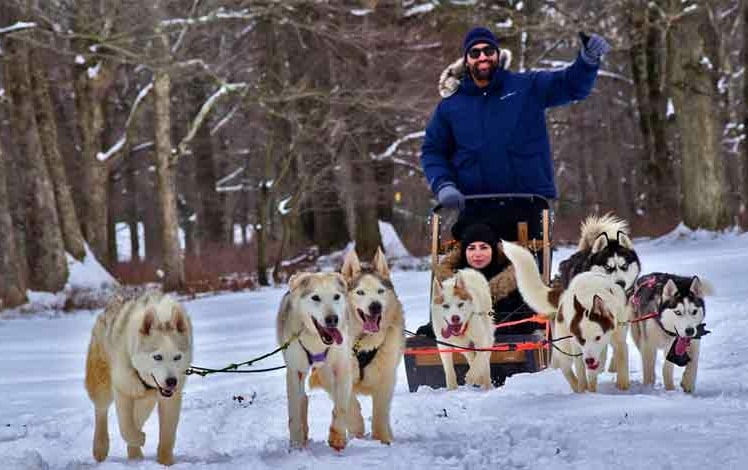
(46, 420)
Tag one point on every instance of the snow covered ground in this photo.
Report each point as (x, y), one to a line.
(46, 420)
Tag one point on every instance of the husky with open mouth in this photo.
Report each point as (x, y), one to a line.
(376, 333)
(589, 314)
(678, 305)
(139, 352)
(312, 322)
(461, 312)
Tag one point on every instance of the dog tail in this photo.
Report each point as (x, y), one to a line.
(595, 225)
(539, 297)
(707, 288)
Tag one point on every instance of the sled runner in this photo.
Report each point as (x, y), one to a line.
(519, 336)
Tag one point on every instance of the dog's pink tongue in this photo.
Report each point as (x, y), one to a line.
(681, 345)
(337, 336)
(452, 330)
(371, 325)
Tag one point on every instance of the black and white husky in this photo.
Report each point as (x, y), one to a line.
(605, 246)
(678, 305)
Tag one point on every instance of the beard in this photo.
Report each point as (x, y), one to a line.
(483, 74)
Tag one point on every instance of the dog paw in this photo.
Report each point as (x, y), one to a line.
(134, 453)
(623, 384)
(336, 439)
(688, 387)
(165, 456)
(385, 437)
(101, 450)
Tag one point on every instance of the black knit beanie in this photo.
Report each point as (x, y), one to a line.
(478, 233)
(476, 35)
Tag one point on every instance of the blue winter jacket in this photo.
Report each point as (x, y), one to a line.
(494, 139)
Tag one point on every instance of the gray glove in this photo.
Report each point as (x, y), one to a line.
(593, 48)
(449, 196)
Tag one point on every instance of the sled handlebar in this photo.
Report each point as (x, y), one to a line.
(497, 196)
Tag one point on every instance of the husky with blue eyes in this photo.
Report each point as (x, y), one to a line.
(677, 327)
(138, 357)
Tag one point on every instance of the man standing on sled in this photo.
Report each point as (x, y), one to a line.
(488, 134)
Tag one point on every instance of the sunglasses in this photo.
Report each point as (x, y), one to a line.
(488, 51)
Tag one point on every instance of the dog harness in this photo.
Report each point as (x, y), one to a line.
(312, 357)
(644, 291)
(364, 358)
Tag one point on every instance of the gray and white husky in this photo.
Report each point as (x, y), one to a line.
(678, 303)
(605, 246)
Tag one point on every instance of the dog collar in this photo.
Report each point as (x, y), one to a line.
(314, 357)
(148, 387)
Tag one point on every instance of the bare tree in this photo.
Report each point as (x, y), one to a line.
(693, 72)
(47, 122)
(44, 247)
(12, 285)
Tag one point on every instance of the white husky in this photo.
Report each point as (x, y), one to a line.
(138, 355)
(461, 315)
(591, 313)
(312, 321)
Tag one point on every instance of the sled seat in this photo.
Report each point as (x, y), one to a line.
(526, 220)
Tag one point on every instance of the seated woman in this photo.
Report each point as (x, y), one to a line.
(477, 248)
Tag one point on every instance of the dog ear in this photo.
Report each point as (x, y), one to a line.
(459, 282)
(579, 308)
(600, 243)
(695, 288)
(149, 318)
(178, 320)
(298, 280)
(343, 283)
(670, 290)
(598, 305)
(436, 288)
(624, 240)
(351, 266)
(380, 264)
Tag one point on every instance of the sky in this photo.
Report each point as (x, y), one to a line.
(534, 421)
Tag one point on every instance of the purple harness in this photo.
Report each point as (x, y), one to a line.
(319, 357)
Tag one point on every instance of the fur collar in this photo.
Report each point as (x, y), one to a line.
(449, 80)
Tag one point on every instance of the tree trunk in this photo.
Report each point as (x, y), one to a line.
(172, 259)
(45, 118)
(94, 173)
(211, 225)
(12, 285)
(744, 207)
(647, 46)
(260, 233)
(45, 249)
(92, 79)
(693, 46)
(131, 202)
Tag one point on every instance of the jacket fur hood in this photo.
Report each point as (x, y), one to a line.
(449, 80)
(501, 284)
